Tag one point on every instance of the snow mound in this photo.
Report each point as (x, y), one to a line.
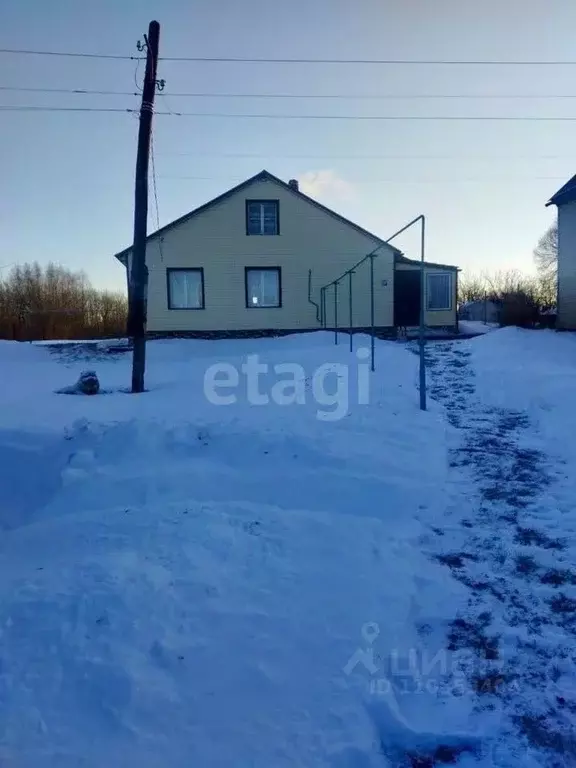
(183, 583)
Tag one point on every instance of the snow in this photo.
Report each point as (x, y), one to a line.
(515, 547)
(475, 327)
(94, 342)
(184, 583)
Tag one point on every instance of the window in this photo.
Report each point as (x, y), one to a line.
(185, 288)
(262, 217)
(439, 291)
(263, 287)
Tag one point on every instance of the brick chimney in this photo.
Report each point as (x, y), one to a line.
(294, 184)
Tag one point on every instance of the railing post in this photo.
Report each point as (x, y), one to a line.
(350, 308)
(350, 272)
(372, 366)
(336, 312)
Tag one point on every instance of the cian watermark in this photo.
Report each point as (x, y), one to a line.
(424, 671)
(329, 386)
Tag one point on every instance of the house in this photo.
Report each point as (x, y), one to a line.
(253, 261)
(565, 200)
(483, 310)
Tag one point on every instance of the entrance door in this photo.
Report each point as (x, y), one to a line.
(406, 297)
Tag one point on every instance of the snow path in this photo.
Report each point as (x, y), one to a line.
(519, 625)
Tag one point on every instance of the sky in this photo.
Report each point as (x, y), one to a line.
(66, 180)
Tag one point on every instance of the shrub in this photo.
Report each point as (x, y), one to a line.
(519, 308)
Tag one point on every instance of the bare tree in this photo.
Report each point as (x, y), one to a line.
(471, 288)
(520, 298)
(509, 281)
(546, 260)
(55, 303)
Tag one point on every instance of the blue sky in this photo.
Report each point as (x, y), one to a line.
(67, 179)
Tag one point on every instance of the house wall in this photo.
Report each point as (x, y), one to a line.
(437, 318)
(567, 266)
(309, 238)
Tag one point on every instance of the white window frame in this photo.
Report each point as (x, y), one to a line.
(249, 303)
(450, 277)
(175, 270)
(262, 232)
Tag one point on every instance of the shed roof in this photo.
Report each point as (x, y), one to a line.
(405, 260)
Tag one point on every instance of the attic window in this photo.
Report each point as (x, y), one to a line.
(262, 217)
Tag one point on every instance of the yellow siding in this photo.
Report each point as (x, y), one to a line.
(309, 239)
(567, 266)
(437, 318)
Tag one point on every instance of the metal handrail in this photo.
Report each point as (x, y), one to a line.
(350, 272)
(373, 253)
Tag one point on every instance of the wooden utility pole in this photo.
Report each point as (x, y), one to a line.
(138, 276)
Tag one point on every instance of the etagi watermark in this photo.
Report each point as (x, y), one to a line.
(330, 385)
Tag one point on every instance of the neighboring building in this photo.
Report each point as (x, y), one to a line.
(565, 200)
(255, 259)
(484, 310)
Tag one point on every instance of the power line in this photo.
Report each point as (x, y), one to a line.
(370, 97)
(362, 157)
(263, 60)
(155, 188)
(416, 62)
(83, 91)
(396, 180)
(154, 185)
(268, 116)
(33, 108)
(69, 54)
(351, 96)
(136, 71)
(166, 102)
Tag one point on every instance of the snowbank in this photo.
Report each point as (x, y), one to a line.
(533, 371)
(476, 327)
(184, 583)
(19, 352)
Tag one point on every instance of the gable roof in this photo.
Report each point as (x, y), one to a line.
(566, 194)
(262, 176)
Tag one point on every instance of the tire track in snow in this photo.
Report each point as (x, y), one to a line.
(520, 623)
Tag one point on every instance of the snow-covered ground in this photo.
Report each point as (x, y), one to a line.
(191, 583)
(476, 327)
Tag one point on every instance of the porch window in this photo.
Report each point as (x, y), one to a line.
(439, 291)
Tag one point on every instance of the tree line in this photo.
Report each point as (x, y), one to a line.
(53, 302)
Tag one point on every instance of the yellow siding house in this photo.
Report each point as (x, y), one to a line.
(254, 259)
